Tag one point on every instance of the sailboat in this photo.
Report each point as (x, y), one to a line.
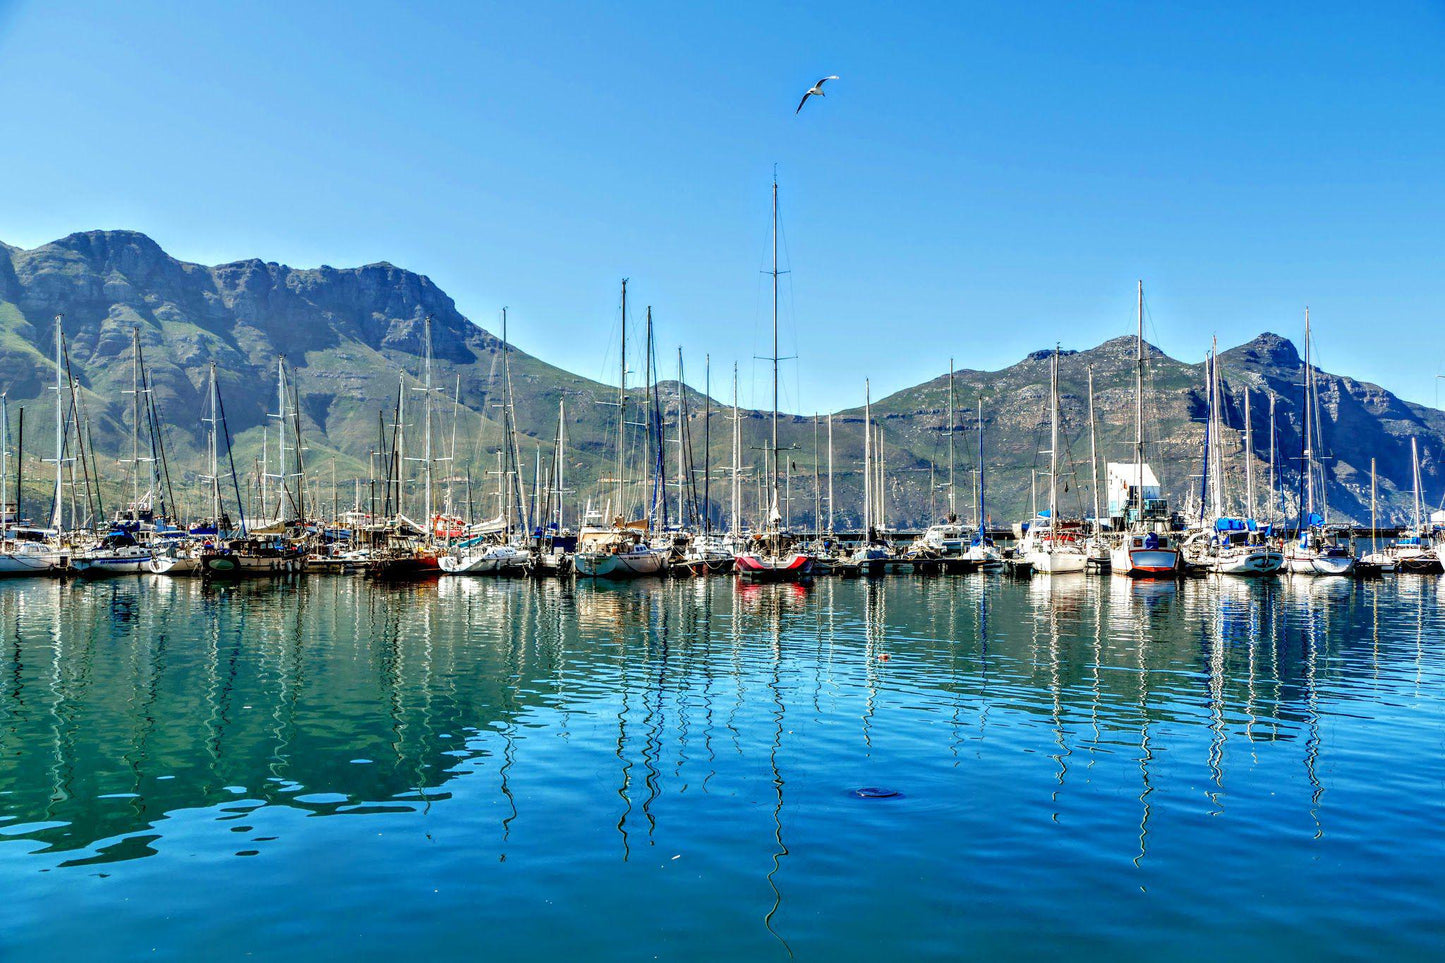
(873, 556)
(1227, 544)
(484, 554)
(1375, 562)
(618, 550)
(773, 557)
(948, 537)
(265, 550)
(1050, 546)
(1314, 552)
(1413, 551)
(1147, 549)
(22, 551)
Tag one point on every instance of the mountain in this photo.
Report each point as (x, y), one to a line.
(350, 334)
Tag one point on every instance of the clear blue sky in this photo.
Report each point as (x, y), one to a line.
(984, 179)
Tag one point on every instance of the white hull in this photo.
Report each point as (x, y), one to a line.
(1058, 563)
(510, 562)
(1310, 564)
(1252, 563)
(619, 565)
(170, 565)
(102, 566)
(29, 563)
(1145, 562)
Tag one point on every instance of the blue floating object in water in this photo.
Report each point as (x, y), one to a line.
(876, 792)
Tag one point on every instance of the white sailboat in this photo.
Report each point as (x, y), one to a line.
(1147, 548)
(1051, 548)
(1314, 551)
(618, 550)
(18, 555)
(772, 556)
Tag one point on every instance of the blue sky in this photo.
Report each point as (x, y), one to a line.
(983, 180)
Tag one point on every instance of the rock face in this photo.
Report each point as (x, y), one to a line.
(349, 334)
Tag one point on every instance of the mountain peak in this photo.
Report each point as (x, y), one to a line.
(1268, 350)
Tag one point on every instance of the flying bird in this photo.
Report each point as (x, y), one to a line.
(816, 89)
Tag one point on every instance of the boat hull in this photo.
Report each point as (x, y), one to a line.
(1145, 562)
(1319, 564)
(762, 568)
(619, 565)
(510, 564)
(1252, 564)
(110, 567)
(1058, 563)
(228, 565)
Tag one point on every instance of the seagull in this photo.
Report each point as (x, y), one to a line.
(815, 89)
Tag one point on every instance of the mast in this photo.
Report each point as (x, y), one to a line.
(215, 466)
(980, 471)
(1093, 453)
(1309, 453)
(5, 468)
(830, 473)
(135, 423)
(1054, 454)
(1415, 479)
(561, 460)
(952, 407)
(1216, 429)
(1374, 525)
(772, 512)
(1139, 401)
(1248, 458)
(57, 512)
(867, 460)
(737, 491)
(622, 405)
(681, 469)
(1272, 478)
(514, 454)
(426, 459)
(707, 444)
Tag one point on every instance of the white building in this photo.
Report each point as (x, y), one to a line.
(1123, 483)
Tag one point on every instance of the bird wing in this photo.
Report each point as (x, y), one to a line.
(802, 102)
(825, 80)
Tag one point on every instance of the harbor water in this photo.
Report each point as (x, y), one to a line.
(914, 768)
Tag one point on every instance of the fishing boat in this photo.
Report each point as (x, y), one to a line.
(618, 550)
(1053, 546)
(1316, 549)
(1146, 548)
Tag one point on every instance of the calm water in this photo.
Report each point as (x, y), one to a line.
(329, 770)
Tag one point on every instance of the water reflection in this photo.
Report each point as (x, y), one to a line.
(641, 724)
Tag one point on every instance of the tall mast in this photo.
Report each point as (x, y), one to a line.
(830, 473)
(1415, 478)
(952, 408)
(1272, 479)
(1216, 429)
(1054, 454)
(426, 459)
(1093, 453)
(737, 489)
(707, 443)
(5, 468)
(867, 459)
(1374, 525)
(1248, 458)
(135, 423)
(57, 512)
(514, 453)
(681, 511)
(1139, 401)
(215, 477)
(774, 473)
(561, 460)
(1309, 423)
(622, 405)
(979, 470)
